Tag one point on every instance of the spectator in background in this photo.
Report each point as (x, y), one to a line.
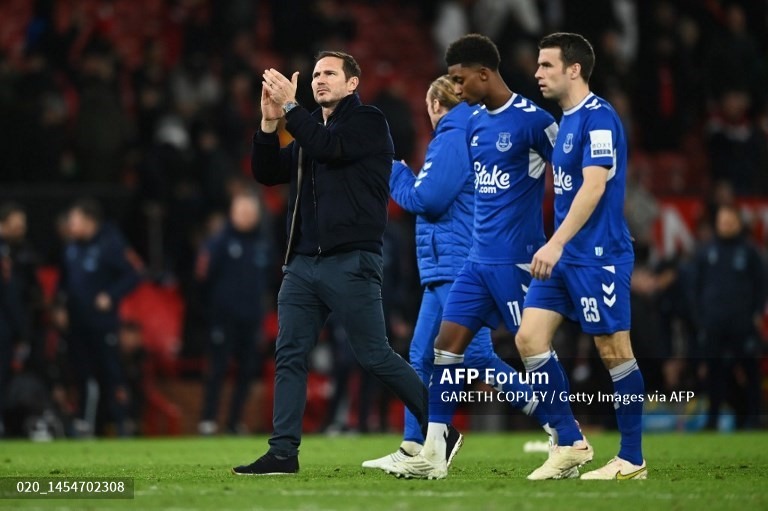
(194, 86)
(734, 60)
(213, 167)
(728, 296)
(102, 129)
(332, 25)
(97, 273)
(641, 209)
(236, 116)
(25, 260)
(152, 94)
(660, 97)
(33, 120)
(229, 18)
(234, 268)
(132, 365)
(392, 101)
(738, 148)
(451, 22)
(492, 17)
(11, 313)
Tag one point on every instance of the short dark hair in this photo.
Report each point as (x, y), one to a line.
(473, 49)
(574, 49)
(9, 208)
(91, 208)
(351, 67)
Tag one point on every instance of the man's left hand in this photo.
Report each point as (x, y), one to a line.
(281, 89)
(545, 259)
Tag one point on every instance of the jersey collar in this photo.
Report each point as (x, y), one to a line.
(504, 106)
(583, 101)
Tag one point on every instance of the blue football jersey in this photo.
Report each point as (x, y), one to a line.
(591, 134)
(509, 148)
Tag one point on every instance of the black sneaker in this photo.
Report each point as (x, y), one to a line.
(269, 465)
(453, 442)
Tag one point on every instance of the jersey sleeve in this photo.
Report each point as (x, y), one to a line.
(543, 135)
(600, 139)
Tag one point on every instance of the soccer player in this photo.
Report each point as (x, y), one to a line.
(509, 141)
(442, 197)
(583, 271)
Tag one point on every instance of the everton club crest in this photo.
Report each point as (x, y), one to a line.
(568, 144)
(503, 144)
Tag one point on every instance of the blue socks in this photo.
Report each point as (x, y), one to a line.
(529, 405)
(557, 411)
(443, 380)
(628, 382)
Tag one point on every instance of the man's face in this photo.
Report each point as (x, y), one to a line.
(14, 228)
(728, 223)
(244, 213)
(329, 84)
(468, 83)
(80, 226)
(551, 74)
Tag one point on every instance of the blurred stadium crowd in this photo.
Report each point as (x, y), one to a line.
(148, 108)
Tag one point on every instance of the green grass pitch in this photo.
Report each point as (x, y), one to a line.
(697, 472)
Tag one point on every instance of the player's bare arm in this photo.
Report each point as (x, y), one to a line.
(584, 203)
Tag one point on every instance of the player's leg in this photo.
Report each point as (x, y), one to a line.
(546, 305)
(509, 286)
(616, 353)
(442, 441)
(604, 300)
(466, 306)
(421, 357)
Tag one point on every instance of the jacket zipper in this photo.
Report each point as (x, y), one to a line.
(317, 218)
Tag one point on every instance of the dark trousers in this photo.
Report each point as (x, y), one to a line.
(6, 359)
(94, 355)
(231, 339)
(729, 347)
(349, 284)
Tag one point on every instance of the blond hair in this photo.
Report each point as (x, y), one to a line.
(442, 90)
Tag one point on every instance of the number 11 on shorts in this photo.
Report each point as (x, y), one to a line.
(514, 309)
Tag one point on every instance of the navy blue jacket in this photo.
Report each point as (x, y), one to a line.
(94, 266)
(345, 188)
(12, 314)
(234, 268)
(728, 285)
(443, 198)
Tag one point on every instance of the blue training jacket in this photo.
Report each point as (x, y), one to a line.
(442, 196)
(90, 267)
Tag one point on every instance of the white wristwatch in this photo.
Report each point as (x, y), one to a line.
(290, 105)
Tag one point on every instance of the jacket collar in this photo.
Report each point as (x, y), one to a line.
(347, 103)
(456, 117)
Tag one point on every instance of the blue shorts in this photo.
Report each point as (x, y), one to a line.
(486, 295)
(595, 296)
